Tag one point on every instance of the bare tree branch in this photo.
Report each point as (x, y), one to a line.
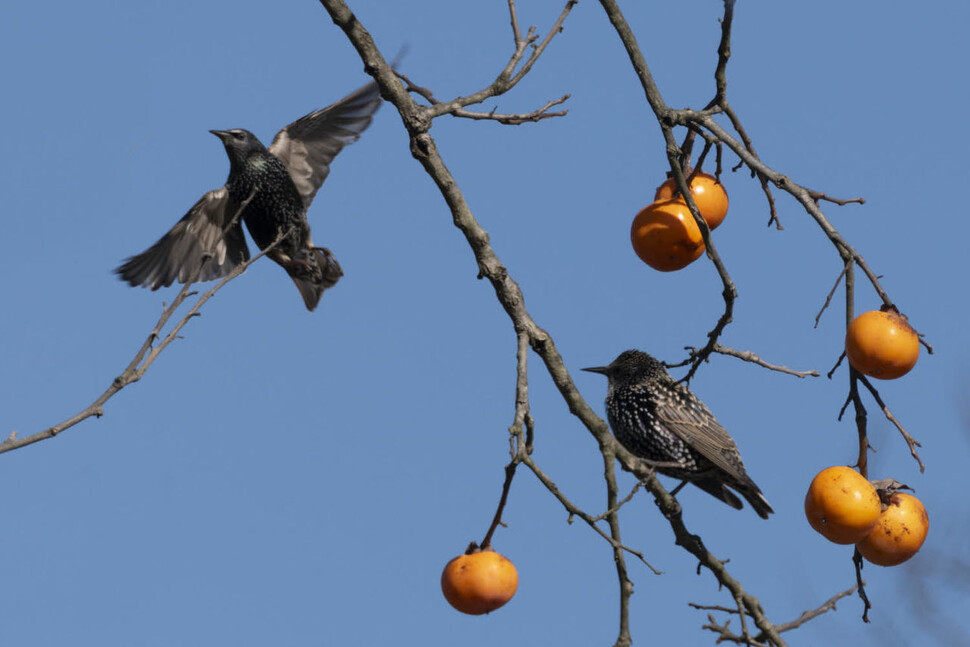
(828, 605)
(828, 298)
(748, 356)
(143, 359)
(509, 77)
(515, 119)
(520, 447)
(861, 584)
(726, 635)
(417, 119)
(623, 639)
(911, 442)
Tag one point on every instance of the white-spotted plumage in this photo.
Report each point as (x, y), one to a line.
(662, 421)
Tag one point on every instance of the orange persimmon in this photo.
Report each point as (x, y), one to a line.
(479, 582)
(665, 236)
(842, 505)
(881, 344)
(898, 534)
(708, 193)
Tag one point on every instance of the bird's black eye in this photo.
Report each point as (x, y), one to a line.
(237, 135)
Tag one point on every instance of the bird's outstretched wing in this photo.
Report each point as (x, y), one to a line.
(309, 144)
(194, 249)
(690, 419)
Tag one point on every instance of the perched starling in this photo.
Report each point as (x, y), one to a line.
(274, 188)
(657, 419)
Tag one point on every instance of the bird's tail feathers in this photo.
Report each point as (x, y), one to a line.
(718, 490)
(310, 291)
(312, 287)
(749, 491)
(757, 500)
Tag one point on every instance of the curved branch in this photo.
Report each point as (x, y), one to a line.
(667, 119)
(508, 78)
(424, 149)
(503, 118)
(748, 356)
(726, 635)
(142, 360)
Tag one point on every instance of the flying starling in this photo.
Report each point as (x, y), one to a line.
(657, 419)
(268, 189)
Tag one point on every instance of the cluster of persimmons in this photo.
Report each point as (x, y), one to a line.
(665, 235)
(887, 526)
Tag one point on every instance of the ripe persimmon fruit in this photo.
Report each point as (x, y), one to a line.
(881, 344)
(842, 505)
(708, 193)
(479, 582)
(665, 236)
(898, 534)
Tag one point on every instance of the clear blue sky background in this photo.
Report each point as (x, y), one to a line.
(294, 479)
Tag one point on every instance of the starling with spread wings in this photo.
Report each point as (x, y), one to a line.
(270, 189)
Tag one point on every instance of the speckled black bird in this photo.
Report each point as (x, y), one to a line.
(274, 188)
(657, 419)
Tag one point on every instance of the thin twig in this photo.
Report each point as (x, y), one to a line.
(516, 119)
(511, 119)
(835, 367)
(576, 511)
(828, 299)
(828, 605)
(619, 504)
(143, 359)
(509, 77)
(910, 441)
(818, 195)
(726, 635)
(730, 292)
(743, 616)
(861, 584)
(748, 356)
(497, 519)
(516, 431)
(624, 639)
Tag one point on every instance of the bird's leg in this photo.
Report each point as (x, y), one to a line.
(661, 465)
(679, 487)
(298, 267)
(302, 268)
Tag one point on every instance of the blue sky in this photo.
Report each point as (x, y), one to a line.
(288, 478)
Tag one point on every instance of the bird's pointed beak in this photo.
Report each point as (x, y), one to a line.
(602, 370)
(221, 134)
